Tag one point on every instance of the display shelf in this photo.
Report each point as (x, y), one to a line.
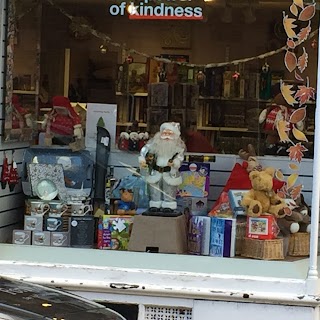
(129, 124)
(32, 92)
(228, 129)
(234, 99)
(137, 94)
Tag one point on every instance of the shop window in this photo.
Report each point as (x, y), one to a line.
(76, 68)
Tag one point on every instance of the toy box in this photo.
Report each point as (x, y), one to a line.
(114, 232)
(235, 199)
(199, 235)
(195, 180)
(222, 237)
(263, 227)
(192, 205)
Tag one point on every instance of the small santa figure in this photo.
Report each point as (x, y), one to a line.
(63, 120)
(167, 149)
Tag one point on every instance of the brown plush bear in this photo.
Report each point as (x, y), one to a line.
(261, 198)
(299, 220)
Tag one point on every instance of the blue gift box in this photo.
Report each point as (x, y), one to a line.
(235, 199)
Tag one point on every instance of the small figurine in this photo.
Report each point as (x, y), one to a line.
(126, 204)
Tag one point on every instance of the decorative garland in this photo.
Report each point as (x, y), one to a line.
(109, 41)
(295, 96)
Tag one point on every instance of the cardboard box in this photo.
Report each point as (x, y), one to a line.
(235, 199)
(199, 235)
(195, 179)
(60, 239)
(262, 228)
(114, 232)
(41, 238)
(21, 237)
(223, 237)
(34, 222)
(53, 224)
(192, 205)
(81, 231)
(159, 234)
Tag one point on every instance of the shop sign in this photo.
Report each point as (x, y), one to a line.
(160, 11)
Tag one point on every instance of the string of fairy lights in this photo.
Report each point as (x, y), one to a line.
(81, 24)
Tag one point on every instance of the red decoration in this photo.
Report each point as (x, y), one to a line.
(129, 59)
(236, 75)
(13, 176)
(4, 173)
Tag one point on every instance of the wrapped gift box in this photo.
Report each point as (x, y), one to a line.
(114, 232)
(263, 227)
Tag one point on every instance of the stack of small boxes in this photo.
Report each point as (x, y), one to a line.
(56, 224)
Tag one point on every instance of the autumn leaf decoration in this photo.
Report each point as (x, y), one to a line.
(296, 96)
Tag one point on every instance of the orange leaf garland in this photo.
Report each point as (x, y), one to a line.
(304, 33)
(297, 76)
(293, 166)
(304, 94)
(291, 44)
(282, 128)
(279, 175)
(307, 13)
(299, 3)
(292, 180)
(290, 61)
(288, 24)
(296, 152)
(298, 115)
(287, 93)
(294, 9)
(295, 192)
(303, 60)
(299, 135)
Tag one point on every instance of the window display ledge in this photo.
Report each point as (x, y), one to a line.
(148, 274)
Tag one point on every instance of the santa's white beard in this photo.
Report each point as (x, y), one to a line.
(165, 148)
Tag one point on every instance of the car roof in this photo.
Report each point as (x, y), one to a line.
(23, 300)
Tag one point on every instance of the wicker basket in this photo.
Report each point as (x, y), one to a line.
(263, 249)
(240, 235)
(299, 244)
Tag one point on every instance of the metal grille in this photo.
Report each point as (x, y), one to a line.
(167, 313)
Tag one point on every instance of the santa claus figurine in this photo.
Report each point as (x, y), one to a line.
(167, 151)
(63, 121)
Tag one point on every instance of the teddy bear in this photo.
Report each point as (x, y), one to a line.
(261, 198)
(126, 204)
(299, 220)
